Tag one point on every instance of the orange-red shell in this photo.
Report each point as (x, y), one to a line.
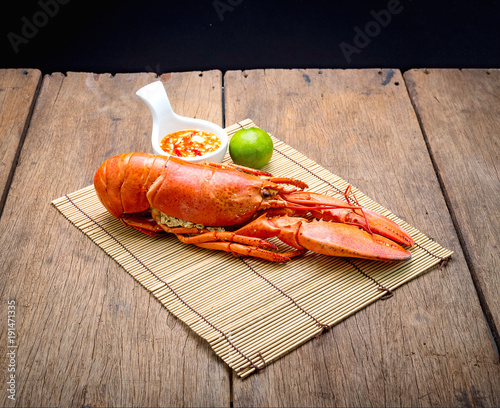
(122, 181)
(131, 184)
(135, 182)
(204, 194)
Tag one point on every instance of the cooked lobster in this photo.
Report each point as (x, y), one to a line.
(235, 209)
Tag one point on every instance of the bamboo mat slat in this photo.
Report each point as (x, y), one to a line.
(250, 311)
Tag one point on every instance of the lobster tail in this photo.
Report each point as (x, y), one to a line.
(107, 182)
(121, 182)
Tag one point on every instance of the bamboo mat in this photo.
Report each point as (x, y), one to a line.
(250, 311)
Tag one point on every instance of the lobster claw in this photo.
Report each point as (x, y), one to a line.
(346, 214)
(327, 238)
(336, 239)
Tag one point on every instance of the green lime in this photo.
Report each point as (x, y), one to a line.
(251, 147)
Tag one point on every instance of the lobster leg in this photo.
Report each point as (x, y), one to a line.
(244, 250)
(327, 238)
(272, 182)
(233, 166)
(238, 245)
(215, 236)
(203, 235)
(144, 224)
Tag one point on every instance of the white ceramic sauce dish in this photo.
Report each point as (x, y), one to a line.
(166, 121)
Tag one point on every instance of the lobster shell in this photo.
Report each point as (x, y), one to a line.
(134, 182)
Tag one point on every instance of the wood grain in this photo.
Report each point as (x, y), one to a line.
(459, 111)
(88, 334)
(18, 89)
(429, 344)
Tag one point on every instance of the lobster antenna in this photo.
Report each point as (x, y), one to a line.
(347, 191)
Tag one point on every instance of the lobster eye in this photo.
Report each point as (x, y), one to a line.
(266, 193)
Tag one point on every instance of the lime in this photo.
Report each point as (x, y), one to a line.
(251, 147)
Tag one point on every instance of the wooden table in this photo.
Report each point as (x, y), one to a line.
(425, 144)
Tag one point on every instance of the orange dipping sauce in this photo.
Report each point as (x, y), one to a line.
(190, 143)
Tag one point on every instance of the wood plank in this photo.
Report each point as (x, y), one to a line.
(429, 344)
(17, 96)
(87, 333)
(459, 111)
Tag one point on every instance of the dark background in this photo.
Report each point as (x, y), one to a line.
(169, 36)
